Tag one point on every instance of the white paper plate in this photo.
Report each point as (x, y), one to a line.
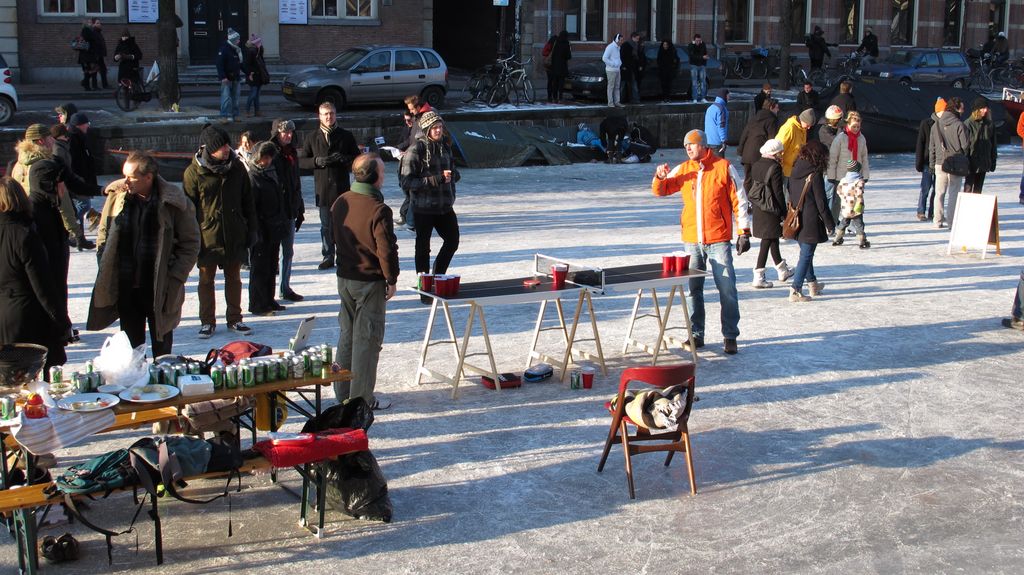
(114, 388)
(88, 402)
(149, 393)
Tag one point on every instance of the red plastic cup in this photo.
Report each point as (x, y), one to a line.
(588, 377)
(682, 262)
(456, 279)
(442, 285)
(668, 264)
(558, 273)
(426, 282)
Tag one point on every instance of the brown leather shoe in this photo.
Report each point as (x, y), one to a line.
(1013, 323)
(730, 346)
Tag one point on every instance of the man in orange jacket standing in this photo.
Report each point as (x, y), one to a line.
(710, 203)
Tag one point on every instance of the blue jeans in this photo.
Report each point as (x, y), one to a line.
(720, 255)
(698, 83)
(230, 93)
(596, 143)
(805, 267)
(926, 201)
(832, 200)
(82, 205)
(287, 253)
(326, 234)
(253, 103)
(1018, 302)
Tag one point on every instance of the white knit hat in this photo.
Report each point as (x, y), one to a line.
(772, 147)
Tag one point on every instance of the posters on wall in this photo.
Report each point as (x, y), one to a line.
(293, 11)
(143, 11)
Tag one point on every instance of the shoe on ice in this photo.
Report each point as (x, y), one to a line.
(240, 328)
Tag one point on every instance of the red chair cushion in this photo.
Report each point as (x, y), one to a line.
(327, 444)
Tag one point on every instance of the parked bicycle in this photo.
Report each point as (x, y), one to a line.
(736, 66)
(130, 93)
(981, 72)
(503, 82)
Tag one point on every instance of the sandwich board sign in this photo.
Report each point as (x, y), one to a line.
(975, 224)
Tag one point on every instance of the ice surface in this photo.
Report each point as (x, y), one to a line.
(874, 429)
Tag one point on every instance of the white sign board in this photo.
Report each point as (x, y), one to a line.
(975, 225)
(293, 11)
(143, 11)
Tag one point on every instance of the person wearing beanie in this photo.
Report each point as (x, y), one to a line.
(256, 74)
(849, 152)
(948, 137)
(328, 152)
(716, 123)
(698, 53)
(926, 197)
(612, 59)
(219, 187)
(826, 135)
(429, 174)
(286, 163)
(271, 204)
(82, 165)
(149, 239)
(764, 94)
(793, 135)
(709, 208)
(230, 72)
(767, 196)
(981, 146)
(851, 193)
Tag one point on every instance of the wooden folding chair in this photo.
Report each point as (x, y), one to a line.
(678, 440)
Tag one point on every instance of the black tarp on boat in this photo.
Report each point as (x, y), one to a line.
(893, 113)
(501, 145)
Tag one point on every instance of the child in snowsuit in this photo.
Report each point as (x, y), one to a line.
(851, 197)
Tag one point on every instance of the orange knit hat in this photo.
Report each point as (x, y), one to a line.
(940, 105)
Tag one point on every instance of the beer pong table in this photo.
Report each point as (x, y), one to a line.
(581, 283)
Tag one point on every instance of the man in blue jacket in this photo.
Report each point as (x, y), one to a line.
(229, 72)
(716, 123)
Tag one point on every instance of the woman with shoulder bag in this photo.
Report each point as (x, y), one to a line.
(768, 201)
(816, 220)
(561, 53)
(256, 74)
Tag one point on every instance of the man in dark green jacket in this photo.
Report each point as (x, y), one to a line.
(218, 185)
(367, 275)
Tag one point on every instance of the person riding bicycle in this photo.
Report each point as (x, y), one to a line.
(868, 47)
(129, 58)
(999, 48)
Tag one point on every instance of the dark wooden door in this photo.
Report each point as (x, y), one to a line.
(208, 23)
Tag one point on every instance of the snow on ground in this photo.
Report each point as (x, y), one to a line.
(874, 429)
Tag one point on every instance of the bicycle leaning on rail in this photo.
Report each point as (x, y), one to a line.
(504, 81)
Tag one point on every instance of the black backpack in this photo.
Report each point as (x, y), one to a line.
(761, 197)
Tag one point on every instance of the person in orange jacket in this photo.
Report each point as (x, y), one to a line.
(711, 200)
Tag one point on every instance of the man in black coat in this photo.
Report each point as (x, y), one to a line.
(698, 52)
(329, 153)
(287, 164)
(100, 51)
(869, 46)
(758, 130)
(83, 165)
(808, 97)
(631, 69)
(817, 48)
(926, 199)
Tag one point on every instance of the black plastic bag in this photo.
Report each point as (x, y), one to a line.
(352, 413)
(356, 486)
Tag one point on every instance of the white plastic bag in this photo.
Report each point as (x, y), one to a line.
(119, 363)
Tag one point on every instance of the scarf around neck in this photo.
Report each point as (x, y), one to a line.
(851, 143)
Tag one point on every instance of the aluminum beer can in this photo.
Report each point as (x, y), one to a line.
(298, 370)
(283, 370)
(576, 379)
(316, 364)
(154, 375)
(231, 376)
(194, 368)
(56, 374)
(307, 362)
(328, 352)
(217, 375)
(259, 372)
(170, 376)
(81, 384)
(7, 408)
(89, 367)
(246, 377)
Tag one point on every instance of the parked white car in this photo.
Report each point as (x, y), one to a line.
(8, 95)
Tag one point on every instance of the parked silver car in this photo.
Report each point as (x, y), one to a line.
(371, 74)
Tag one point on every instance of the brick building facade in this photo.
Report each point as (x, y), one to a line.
(34, 34)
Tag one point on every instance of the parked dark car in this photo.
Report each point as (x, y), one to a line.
(371, 74)
(919, 66)
(588, 81)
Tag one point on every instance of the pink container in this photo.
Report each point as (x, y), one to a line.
(668, 264)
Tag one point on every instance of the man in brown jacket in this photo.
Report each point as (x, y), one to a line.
(148, 243)
(367, 271)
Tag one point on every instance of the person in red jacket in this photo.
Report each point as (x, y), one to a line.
(711, 201)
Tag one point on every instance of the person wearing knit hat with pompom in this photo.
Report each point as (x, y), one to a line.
(851, 194)
(219, 187)
(428, 174)
(981, 150)
(229, 72)
(711, 201)
(793, 135)
(926, 199)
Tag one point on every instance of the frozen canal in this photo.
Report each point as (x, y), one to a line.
(875, 429)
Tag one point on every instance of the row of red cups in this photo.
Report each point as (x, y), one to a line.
(675, 263)
(444, 285)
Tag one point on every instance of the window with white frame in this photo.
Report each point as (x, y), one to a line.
(343, 8)
(901, 31)
(584, 20)
(737, 21)
(79, 7)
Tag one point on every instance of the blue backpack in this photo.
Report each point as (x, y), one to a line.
(104, 473)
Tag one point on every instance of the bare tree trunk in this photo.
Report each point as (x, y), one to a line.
(787, 38)
(167, 57)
